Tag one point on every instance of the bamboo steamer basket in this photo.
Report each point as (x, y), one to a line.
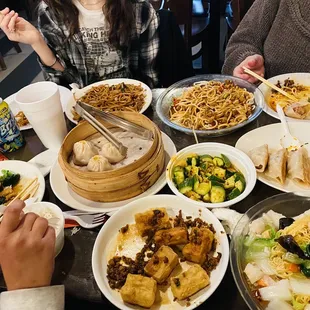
(119, 184)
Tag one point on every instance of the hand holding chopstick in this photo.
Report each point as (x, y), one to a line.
(276, 88)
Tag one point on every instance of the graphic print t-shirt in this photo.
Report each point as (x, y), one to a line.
(101, 57)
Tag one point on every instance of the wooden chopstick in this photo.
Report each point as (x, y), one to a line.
(23, 191)
(281, 91)
(194, 132)
(30, 192)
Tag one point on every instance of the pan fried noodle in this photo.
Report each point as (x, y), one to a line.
(299, 91)
(212, 105)
(120, 97)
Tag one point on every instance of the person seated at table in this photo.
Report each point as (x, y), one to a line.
(85, 41)
(272, 39)
(27, 251)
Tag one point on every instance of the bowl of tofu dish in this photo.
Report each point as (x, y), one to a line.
(160, 252)
(211, 175)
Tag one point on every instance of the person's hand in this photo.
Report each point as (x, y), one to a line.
(27, 246)
(254, 63)
(18, 29)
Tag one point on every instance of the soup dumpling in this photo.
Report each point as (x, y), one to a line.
(99, 163)
(110, 152)
(83, 151)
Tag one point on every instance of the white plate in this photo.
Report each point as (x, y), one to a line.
(240, 160)
(81, 92)
(300, 78)
(271, 135)
(106, 239)
(26, 171)
(65, 97)
(65, 194)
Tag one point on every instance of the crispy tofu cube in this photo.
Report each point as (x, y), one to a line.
(172, 236)
(201, 240)
(139, 290)
(152, 220)
(161, 264)
(189, 282)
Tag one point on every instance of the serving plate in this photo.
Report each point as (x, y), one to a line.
(271, 135)
(65, 194)
(81, 92)
(239, 160)
(300, 78)
(27, 171)
(65, 97)
(106, 239)
(165, 100)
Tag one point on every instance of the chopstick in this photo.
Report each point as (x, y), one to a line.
(281, 91)
(25, 191)
(194, 132)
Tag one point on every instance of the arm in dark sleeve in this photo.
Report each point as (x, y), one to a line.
(251, 34)
(55, 39)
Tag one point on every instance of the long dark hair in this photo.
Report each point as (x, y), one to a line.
(119, 14)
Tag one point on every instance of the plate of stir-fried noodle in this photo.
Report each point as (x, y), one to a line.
(112, 95)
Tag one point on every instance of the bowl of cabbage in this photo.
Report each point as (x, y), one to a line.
(270, 253)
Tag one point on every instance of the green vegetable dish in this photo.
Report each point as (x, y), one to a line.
(9, 186)
(209, 179)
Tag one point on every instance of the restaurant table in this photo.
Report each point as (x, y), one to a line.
(73, 265)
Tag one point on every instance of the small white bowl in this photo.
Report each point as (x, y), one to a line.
(57, 221)
(239, 159)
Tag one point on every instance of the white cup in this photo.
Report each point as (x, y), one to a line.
(41, 104)
(57, 221)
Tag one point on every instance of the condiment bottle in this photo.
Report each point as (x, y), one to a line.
(10, 135)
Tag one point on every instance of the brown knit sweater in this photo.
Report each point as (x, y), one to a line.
(279, 30)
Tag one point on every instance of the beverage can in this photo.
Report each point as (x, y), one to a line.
(11, 138)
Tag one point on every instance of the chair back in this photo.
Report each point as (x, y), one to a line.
(182, 10)
(239, 7)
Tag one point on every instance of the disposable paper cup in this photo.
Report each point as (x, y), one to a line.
(41, 104)
(57, 221)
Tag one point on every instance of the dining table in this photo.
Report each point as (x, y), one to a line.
(73, 266)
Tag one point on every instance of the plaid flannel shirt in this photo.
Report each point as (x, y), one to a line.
(140, 56)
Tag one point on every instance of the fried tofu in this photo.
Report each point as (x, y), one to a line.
(152, 220)
(189, 282)
(161, 264)
(201, 240)
(139, 290)
(172, 236)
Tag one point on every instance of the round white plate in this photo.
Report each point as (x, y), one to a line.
(271, 135)
(81, 92)
(300, 78)
(65, 97)
(26, 171)
(65, 194)
(106, 239)
(239, 160)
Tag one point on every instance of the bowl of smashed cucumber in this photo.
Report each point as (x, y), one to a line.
(211, 175)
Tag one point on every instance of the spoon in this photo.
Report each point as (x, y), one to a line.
(288, 141)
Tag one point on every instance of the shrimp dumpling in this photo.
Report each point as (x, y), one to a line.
(99, 163)
(83, 151)
(110, 152)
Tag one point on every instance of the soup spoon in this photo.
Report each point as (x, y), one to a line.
(288, 141)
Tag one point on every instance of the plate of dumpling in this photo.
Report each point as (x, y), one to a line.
(296, 84)
(92, 175)
(285, 170)
(159, 252)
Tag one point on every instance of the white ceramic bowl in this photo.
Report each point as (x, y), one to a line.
(239, 159)
(57, 221)
(106, 240)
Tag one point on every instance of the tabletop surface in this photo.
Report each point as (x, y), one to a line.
(73, 265)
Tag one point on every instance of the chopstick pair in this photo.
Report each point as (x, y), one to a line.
(276, 88)
(29, 191)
